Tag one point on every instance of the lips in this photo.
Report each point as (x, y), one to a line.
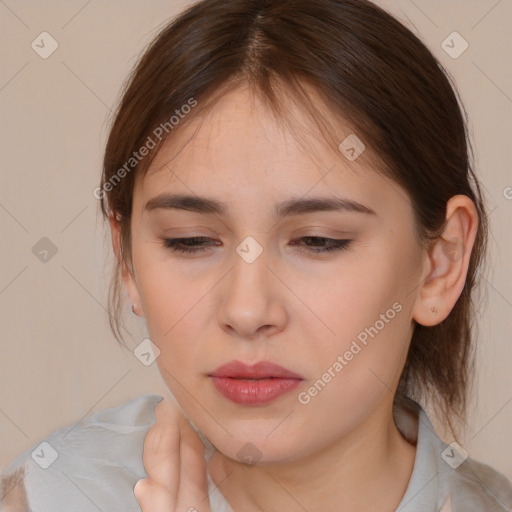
(256, 384)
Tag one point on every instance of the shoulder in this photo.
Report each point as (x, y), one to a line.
(444, 477)
(93, 463)
(475, 486)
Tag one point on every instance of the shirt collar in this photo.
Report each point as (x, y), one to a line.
(423, 491)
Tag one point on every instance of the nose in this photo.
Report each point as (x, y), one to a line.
(254, 298)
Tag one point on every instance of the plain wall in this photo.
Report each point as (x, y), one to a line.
(59, 360)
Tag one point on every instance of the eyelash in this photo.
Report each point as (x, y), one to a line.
(174, 244)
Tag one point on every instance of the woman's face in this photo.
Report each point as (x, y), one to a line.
(340, 321)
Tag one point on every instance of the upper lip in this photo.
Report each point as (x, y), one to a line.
(260, 370)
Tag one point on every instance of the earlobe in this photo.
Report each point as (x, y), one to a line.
(449, 259)
(127, 275)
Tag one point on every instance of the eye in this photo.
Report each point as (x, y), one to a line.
(187, 245)
(198, 244)
(334, 244)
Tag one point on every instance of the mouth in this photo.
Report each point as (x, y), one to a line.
(256, 384)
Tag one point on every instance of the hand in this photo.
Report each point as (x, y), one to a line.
(174, 461)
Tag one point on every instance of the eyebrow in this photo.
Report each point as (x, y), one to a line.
(294, 206)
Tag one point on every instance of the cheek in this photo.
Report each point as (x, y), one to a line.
(170, 306)
(368, 316)
(357, 300)
(169, 295)
(367, 353)
(355, 373)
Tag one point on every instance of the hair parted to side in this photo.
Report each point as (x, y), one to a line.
(375, 75)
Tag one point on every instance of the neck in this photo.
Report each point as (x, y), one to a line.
(369, 469)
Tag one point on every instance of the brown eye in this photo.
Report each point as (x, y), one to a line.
(188, 245)
(319, 244)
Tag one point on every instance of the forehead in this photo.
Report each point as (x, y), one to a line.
(239, 149)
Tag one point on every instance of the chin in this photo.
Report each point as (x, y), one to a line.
(254, 446)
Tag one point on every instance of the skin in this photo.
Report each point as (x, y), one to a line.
(342, 450)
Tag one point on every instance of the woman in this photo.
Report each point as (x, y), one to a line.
(294, 213)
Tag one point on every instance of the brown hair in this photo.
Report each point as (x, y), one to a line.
(372, 72)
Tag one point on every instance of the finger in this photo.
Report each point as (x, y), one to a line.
(153, 497)
(162, 449)
(193, 487)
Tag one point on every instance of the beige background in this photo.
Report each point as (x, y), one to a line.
(59, 361)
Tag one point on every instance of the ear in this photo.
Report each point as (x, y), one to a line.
(129, 279)
(448, 263)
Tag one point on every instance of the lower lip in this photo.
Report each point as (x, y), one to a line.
(254, 392)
